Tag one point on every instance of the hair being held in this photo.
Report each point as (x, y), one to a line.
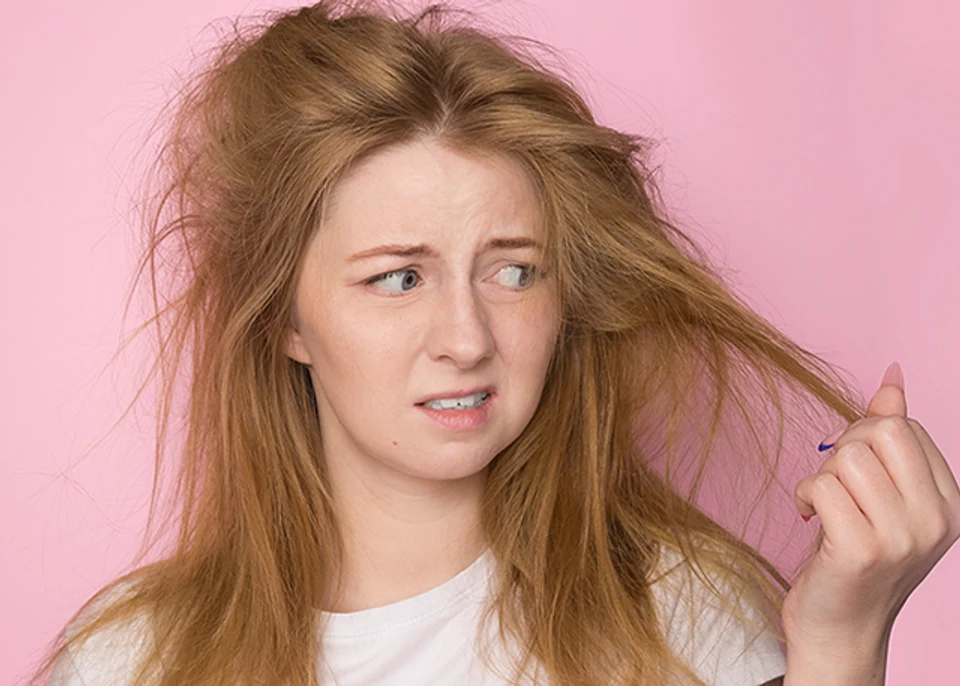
(608, 473)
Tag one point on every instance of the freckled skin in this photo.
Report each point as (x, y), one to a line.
(465, 321)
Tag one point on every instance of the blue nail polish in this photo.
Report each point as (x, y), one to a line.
(823, 447)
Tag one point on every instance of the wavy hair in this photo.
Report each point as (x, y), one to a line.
(579, 508)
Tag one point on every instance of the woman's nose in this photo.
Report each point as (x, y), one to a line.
(460, 327)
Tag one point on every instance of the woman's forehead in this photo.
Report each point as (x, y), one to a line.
(422, 191)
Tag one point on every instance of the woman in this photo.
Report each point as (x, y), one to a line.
(428, 312)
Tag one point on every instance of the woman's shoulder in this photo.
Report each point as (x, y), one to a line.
(110, 655)
(707, 634)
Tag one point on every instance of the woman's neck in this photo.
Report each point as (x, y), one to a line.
(402, 538)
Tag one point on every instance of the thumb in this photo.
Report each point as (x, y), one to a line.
(890, 398)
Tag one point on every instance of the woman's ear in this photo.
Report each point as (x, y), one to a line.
(293, 346)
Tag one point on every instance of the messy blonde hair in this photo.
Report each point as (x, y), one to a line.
(581, 505)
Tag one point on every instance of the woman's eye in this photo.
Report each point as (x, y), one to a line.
(517, 275)
(399, 281)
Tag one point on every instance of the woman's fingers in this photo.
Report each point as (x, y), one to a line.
(843, 523)
(863, 475)
(897, 478)
(895, 442)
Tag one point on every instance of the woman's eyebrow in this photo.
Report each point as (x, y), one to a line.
(424, 250)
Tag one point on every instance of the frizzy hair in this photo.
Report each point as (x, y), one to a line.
(574, 510)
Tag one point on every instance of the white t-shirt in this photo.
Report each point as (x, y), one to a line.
(430, 639)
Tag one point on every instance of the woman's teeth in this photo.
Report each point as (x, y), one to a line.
(465, 403)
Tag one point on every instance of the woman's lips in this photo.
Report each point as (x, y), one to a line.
(461, 420)
(459, 393)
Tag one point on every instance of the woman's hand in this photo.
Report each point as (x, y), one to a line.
(890, 508)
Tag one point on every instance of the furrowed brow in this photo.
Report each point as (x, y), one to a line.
(424, 250)
(509, 243)
(421, 250)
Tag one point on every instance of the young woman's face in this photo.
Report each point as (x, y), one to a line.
(424, 282)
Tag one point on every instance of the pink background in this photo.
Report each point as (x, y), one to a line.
(814, 147)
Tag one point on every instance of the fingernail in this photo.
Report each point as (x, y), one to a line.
(893, 376)
(806, 518)
(828, 442)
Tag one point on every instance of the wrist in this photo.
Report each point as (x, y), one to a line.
(848, 661)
